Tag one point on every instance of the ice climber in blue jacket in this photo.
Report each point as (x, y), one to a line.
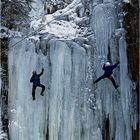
(108, 70)
(35, 79)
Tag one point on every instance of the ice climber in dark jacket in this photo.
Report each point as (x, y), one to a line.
(35, 79)
(108, 72)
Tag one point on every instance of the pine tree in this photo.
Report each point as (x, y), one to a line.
(15, 12)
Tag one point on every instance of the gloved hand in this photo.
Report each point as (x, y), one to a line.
(42, 69)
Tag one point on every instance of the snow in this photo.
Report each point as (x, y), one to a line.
(54, 25)
(35, 38)
(3, 136)
(13, 33)
(62, 29)
(119, 32)
(127, 1)
(5, 32)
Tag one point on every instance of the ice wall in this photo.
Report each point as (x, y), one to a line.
(60, 109)
(72, 108)
(110, 45)
(27, 118)
(37, 9)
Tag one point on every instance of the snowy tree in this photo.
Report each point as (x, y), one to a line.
(60, 4)
(15, 12)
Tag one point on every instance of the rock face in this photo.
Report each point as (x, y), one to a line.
(131, 21)
(132, 37)
(73, 108)
(4, 89)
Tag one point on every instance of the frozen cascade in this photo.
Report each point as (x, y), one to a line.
(68, 66)
(116, 107)
(125, 87)
(27, 118)
(103, 23)
(37, 9)
(64, 112)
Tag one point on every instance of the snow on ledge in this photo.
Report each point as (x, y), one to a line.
(60, 28)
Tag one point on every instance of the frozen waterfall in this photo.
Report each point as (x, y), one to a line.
(73, 108)
(60, 109)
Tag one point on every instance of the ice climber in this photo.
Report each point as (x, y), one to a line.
(108, 70)
(35, 79)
